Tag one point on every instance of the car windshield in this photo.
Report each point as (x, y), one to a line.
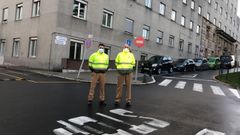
(180, 61)
(198, 60)
(225, 58)
(212, 59)
(155, 59)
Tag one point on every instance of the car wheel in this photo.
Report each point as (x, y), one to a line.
(170, 70)
(159, 71)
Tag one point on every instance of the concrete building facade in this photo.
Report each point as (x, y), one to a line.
(45, 34)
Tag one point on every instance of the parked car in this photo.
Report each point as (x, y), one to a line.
(226, 61)
(213, 62)
(185, 65)
(157, 64)
(233, 61)
(201, 63)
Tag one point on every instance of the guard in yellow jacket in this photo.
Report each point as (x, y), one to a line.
(125, 62)
(98, 63)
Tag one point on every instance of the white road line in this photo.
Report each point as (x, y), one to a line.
(217, 90)
(72, 128)
(61, 131)
(191, 79)
(235, 92)
(209, 132)
(180, 85)
(109, 117)
(197, 87)
(165, 82)
(81, 120)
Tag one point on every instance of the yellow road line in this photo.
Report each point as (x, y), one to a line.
(17, 78)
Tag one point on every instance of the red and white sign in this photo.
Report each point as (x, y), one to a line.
(139, 41)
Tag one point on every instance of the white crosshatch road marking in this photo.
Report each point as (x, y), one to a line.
(165, 82)
(235, 92)
(180, 85)
(197, 87)
(209, 132)
(217, 90)
(147, 126)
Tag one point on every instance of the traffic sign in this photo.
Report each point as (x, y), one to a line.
(139, 41)
(129, 42)
(88, 43)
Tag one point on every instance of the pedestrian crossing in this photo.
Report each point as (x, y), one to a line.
(200, 88)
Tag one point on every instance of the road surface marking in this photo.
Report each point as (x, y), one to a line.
(235, 92)
(120, 132)
(17, 78)
(61, 131)
(72, 128)
(155, 122)
(180, 85)
(165, 82)
(111, 118)
(142, 129)
(81, 120)
(98, 132)
(190, 76)
(122, 112)
(197, 87)
(209, 132)
(191, 79)
(217, 90)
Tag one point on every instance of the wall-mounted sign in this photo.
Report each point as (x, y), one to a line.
(61, 40)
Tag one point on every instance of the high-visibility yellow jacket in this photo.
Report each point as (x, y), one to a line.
(98, 62)
(125, 61)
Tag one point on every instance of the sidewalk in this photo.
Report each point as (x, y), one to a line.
(85, 76)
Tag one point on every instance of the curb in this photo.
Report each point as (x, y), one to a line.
(87, 81)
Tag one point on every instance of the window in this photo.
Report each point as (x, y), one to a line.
(209, 1)
(198, 29)
(196, 51)
(181, 45)
(173, 15)
(2, 46)
(16, 47)
(199, 10)
(184, 1)
(148, 3)
(160, 37)
(189, 48)
(191, 25)
(36, 8)
(32, 47)
(107, 18)
(143, 57)
(19, 8)
(146, 32)
(183, 20)
(221, 9)
(129, 25)
(171, 41)
(208, 16)
(162, 9)
(192, 5)
(219, 24)
(80, 9)
(76, 50)
(216, 6)
(5, 15)
(107, 50)
(214, 21)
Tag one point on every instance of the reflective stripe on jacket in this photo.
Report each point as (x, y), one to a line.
(98, 62)
(125, 62)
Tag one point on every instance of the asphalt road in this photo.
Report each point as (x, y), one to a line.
(180, 104)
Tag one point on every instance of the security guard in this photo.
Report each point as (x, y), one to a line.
(98, 63)
(124, 62)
